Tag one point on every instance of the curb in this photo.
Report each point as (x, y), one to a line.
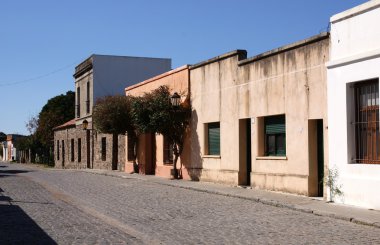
(264, 201)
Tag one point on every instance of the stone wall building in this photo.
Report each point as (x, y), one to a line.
(262, 121)
(95, 77)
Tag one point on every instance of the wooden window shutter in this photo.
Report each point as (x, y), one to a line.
(214, 138)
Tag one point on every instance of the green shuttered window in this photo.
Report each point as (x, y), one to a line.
(275, 136)
(214, 138)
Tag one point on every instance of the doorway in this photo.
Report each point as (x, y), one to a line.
(245, 152)
(63, 153)
(316, 158)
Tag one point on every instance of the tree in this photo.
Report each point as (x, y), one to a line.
(154, 113)
(111, 115)
(3, 137)
(57, 111)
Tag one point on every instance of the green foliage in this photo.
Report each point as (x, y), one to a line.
(57, 111)
(331, 181)
(112, 114)
(154, 113)
(3, 137)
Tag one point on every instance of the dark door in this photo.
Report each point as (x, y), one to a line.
(245, 158)
(249, 154)
(63, 153)
(88, 154)
(320, 155)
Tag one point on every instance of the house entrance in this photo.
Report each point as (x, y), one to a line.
(316, 158)
(245, 153)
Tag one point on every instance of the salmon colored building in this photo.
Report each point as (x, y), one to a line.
(154, 152)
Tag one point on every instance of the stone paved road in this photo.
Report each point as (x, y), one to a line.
(73, 207)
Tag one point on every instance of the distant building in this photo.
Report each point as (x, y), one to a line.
(10, 152)
(98, 76)
(353, 103)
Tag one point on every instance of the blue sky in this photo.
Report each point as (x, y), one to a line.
(41, 41)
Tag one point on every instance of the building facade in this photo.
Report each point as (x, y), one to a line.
(10, 152)
(262, 121)
(95, 77)
(154, 152)
(353, 103)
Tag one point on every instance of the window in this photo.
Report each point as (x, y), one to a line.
(131, 148)
(57, 149)
(367, 140)
(78, 102)
(88, 98)
(63, 152)
(168, 151)
(79, 150)
(104, 149)
(213, 138)
(275, 136)
(72, 150)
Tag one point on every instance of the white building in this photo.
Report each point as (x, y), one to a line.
(353, 103)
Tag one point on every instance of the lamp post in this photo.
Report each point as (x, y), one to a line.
(85, 127)
(175, 100)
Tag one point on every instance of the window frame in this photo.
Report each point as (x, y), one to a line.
(275, 131)
(72, 148)
(57, 150)
(104, 149)
(79, 148)
(210, 150)
(366, 130)
(168, 155)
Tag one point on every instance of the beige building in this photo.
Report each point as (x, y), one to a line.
(262, 121)
(154, 152)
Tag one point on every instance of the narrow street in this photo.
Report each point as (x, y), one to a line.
(47, 206)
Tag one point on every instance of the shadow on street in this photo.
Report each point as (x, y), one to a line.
(16, 227)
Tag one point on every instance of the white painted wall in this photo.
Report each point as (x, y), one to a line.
(355, 56)
(112, 74)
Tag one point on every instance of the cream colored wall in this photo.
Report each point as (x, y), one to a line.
(291, 83)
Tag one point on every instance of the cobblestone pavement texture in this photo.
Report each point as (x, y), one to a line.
(75, 207)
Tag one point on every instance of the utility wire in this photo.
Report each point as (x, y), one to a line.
(4, 84)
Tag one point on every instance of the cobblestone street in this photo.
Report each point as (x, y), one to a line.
(47, 206)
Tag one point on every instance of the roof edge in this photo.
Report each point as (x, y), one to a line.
(68, 124)
(241, 52)
(316, 38)
(165, 74)
(360, 9)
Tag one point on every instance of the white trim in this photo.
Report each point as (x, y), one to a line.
(272, 158)
(354, 59)
(355, 11)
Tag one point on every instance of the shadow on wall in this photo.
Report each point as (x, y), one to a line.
(192, 159)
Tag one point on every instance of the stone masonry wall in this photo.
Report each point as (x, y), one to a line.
(65, 161)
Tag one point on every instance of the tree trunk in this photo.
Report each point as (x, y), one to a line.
(176, 155)
(115, 151)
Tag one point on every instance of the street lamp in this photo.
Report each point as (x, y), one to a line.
(175, 100)
(85, 124)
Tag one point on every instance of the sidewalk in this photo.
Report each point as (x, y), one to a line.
(294, 202)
